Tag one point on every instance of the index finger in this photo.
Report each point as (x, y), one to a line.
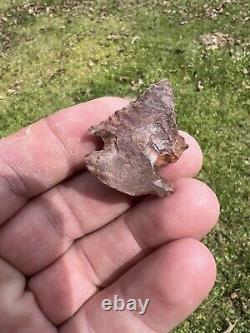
(43, 154)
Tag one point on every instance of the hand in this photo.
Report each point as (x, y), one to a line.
(67, 242)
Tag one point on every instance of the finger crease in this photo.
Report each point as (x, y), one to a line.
(90, 271)
(66, 203)
(66, 152)
(53, 221)
(17, 185)
(140, 244)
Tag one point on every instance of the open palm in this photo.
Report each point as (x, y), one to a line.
(67, 241)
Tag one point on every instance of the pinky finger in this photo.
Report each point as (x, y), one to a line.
(175, 278)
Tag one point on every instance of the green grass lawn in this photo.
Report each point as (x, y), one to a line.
(57, 53)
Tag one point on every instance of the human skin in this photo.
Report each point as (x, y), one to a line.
(68, 241)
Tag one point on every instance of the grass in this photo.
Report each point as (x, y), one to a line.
(58, 53)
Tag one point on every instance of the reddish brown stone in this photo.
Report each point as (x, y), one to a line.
(138, 140)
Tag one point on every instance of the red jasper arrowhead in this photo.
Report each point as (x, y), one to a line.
(138, 140)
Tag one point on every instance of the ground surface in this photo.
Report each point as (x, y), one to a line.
(58, 53)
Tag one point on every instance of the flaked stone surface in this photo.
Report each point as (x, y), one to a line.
(138, 140)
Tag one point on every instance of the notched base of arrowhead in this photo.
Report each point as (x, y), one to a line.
(138, 140)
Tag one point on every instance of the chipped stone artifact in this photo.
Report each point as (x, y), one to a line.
(138, 140)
